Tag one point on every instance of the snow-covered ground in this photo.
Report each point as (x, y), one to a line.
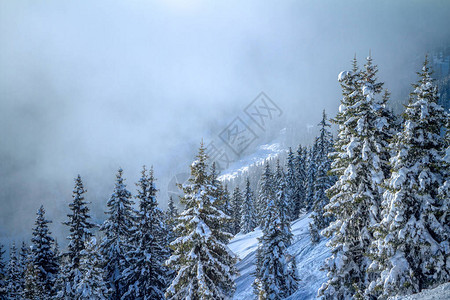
(309, 259)
(441, 292)
(262, 153)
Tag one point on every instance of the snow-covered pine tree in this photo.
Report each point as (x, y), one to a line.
(292, 185)
(42, 256)
(80, 233)
(23, 258)
(203, 262)
(355, 197)
(274, 277)
(79, 223)
(3, 274)
(172, 209)
(323, 180)
(226, 209)
(236, 206)
(282, 204)
(266, 193)
(91, 285)
(118, 230)
(13, 283)
(146, 276)
(248, 213)
(311, 176)
(171, 214)
(413, 236)
(301, 167)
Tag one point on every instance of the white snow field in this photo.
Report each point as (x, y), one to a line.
(261, 154)
(309, 259)
(442, 292)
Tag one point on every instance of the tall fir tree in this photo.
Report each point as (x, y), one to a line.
(171, 208)
(311, 174)
(204, 264)
(248, 213)
(92, 285)
(323, 180)
(146, 275)
(413, 237)
(355, 197)
(171, 214)
(275, 278)
(14, 288)
(43, 258)
(118, 230)
(292, 186)
(23, 259)
(236, 206)
(266, 193)
(301, 168)
(226, 209)
(282, 205)
(80, 233)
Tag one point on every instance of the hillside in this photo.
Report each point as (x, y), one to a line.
(309, 259)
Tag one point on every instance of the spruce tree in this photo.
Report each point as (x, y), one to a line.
(42, 256)
(292, 186)
(118, 230)
(355, 197)
(413, 237)
(23, 258)
(301, 168)
(282, 205)
(146, 276)
(171, 215)
(172, 209)
(323, 180)
(13, 284)
(248, 219)
(266, 193)
(80, 233)
(204, 264)
(91, 285)
(275, 278)
(311, 176)
(226, 209)
(236, 206)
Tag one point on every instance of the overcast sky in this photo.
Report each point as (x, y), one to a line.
(90, 86)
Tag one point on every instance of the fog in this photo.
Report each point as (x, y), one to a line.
(87, 87)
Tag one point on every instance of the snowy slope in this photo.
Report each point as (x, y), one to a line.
(441, 292)
(309, 260)
(262, 153)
